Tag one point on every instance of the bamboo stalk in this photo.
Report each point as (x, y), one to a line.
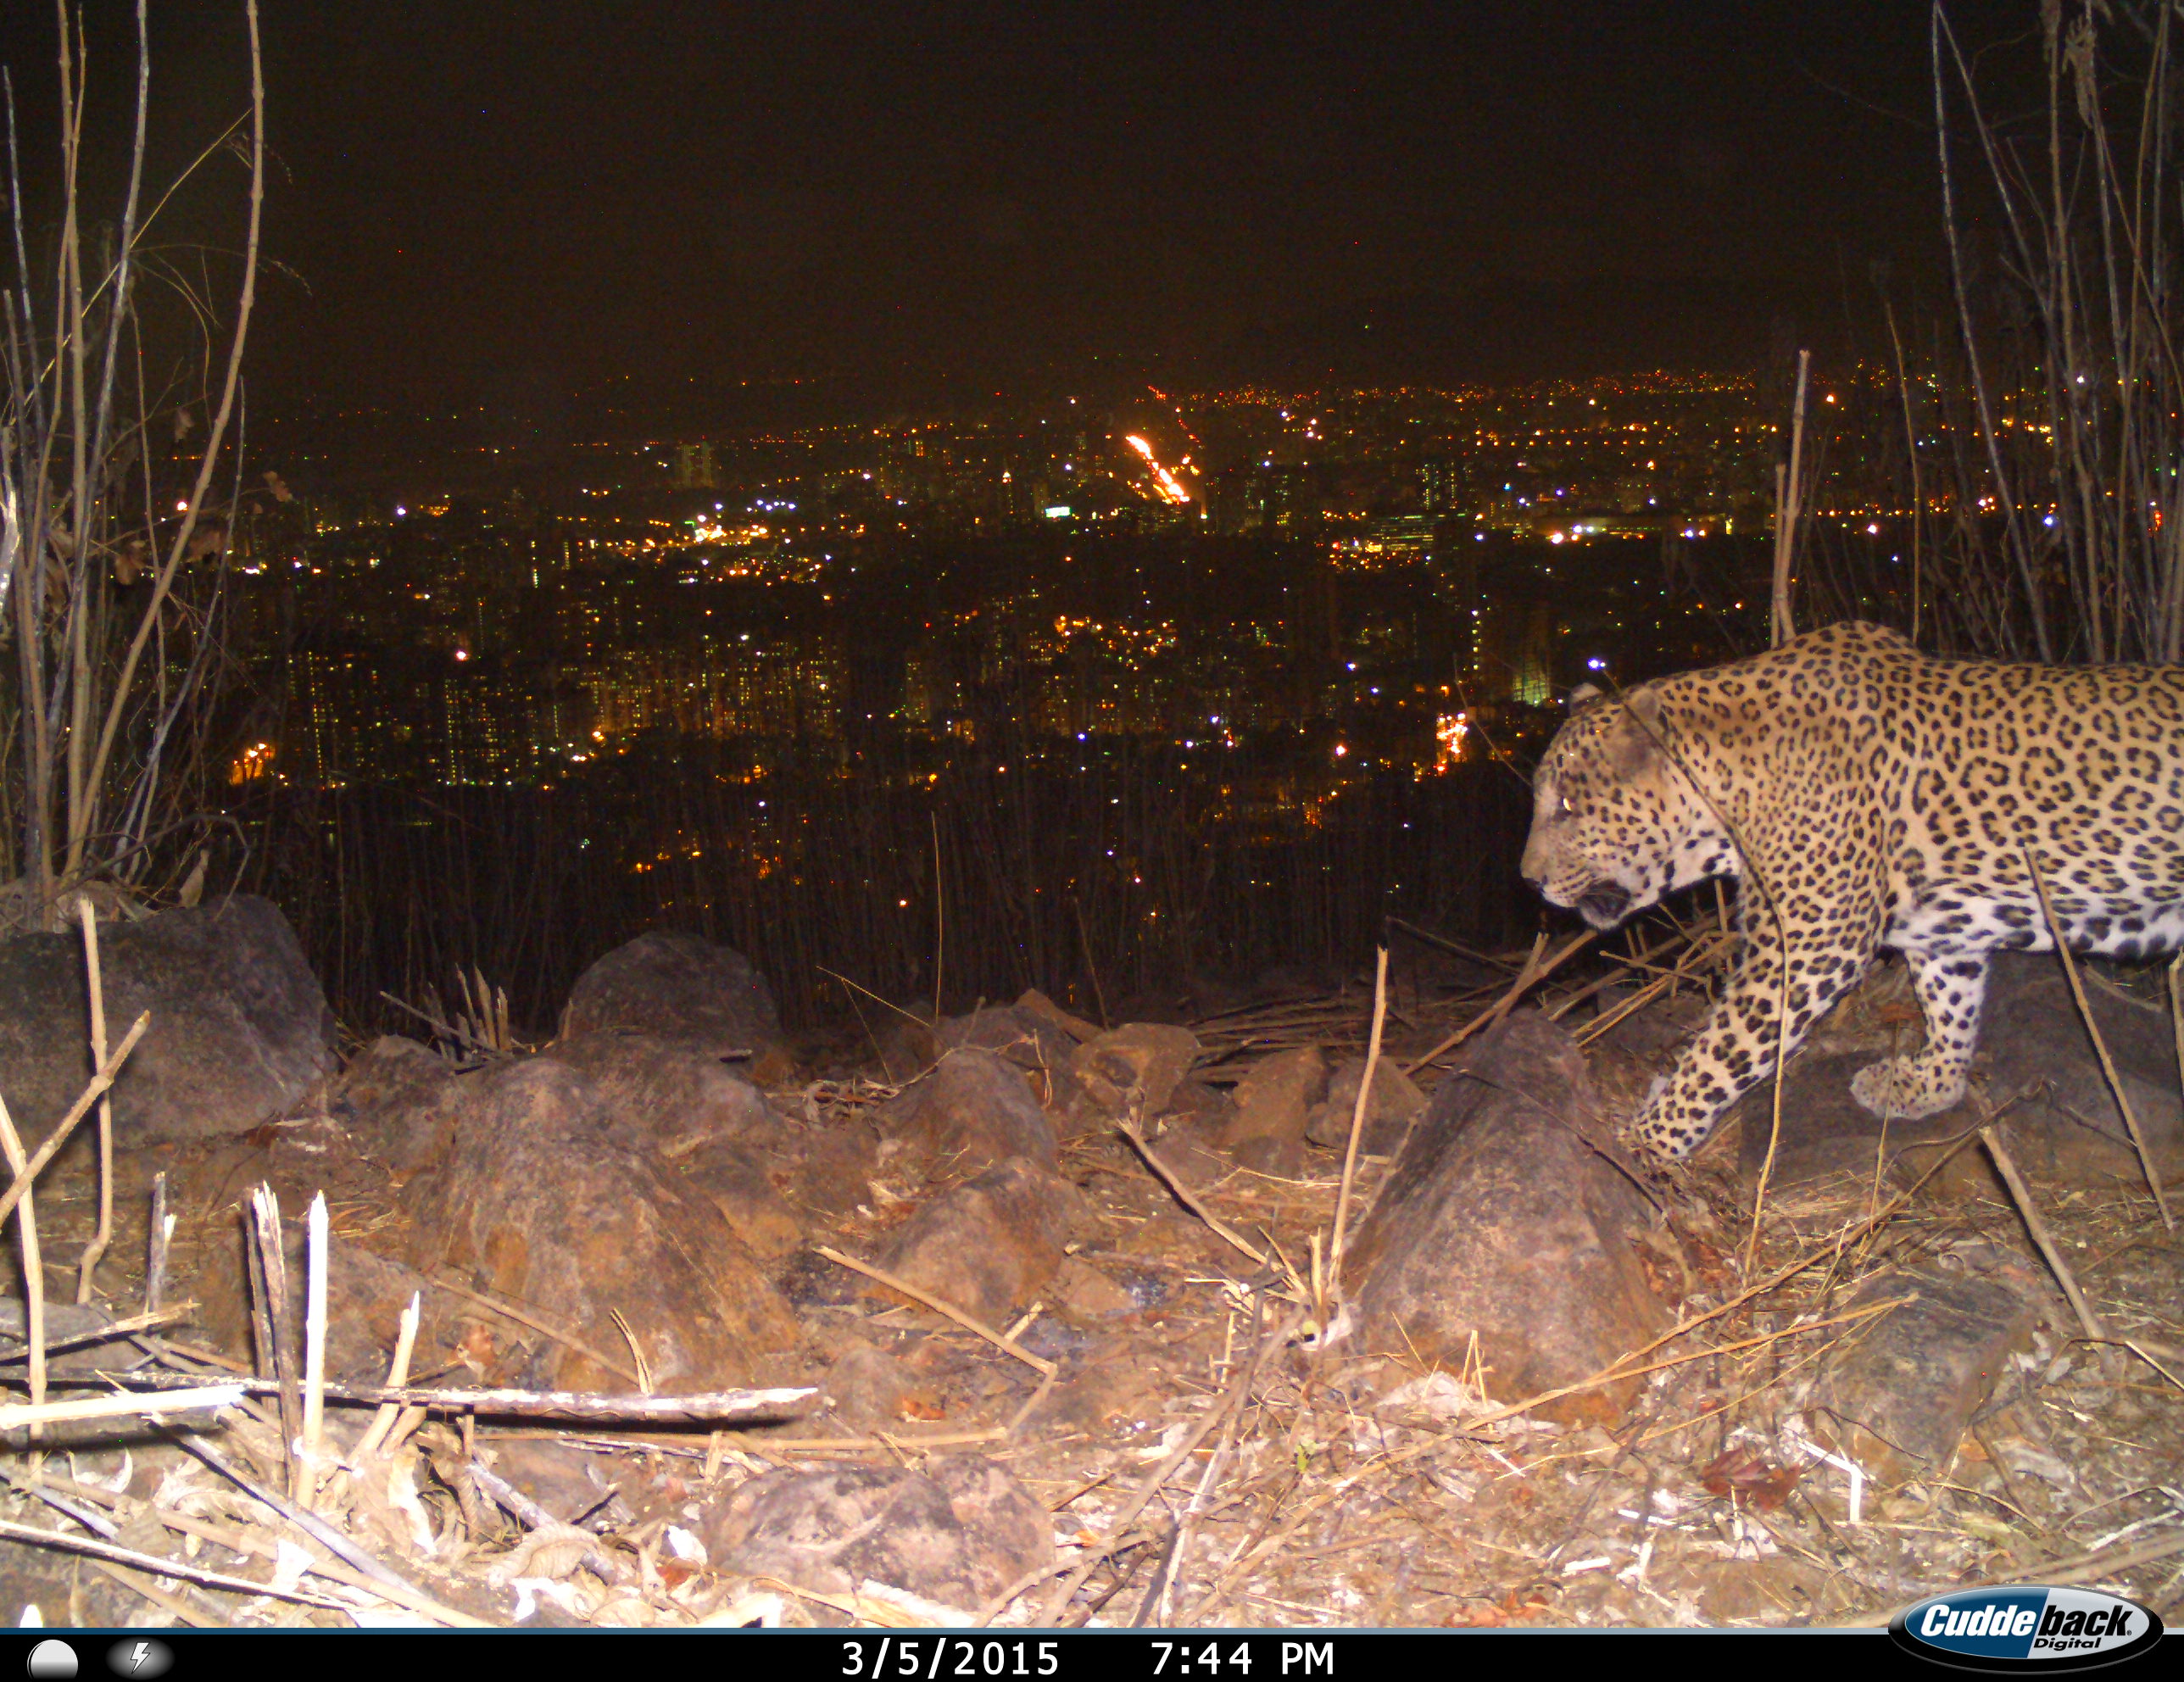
(182, 1400)
(157, 1564)
(276, 1357)
(314, 1347)
(1357, 1125)
(88, 1267)
(76, 1111)
(382, 1422)
(788, 1402)
(34, 1269)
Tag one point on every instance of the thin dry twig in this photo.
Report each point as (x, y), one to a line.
(1536, 971)
(522, 1319)
(2030, 1213)
(1357, 1127)
(1150, 1485)
(1189, 1200)
(2101, 1045)
(1038, 1363)
(159, 1565)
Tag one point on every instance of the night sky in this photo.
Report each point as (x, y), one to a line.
(507, 203)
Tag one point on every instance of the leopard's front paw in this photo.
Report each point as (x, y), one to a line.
(1906, 1088)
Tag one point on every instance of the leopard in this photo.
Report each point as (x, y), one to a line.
(1862, 794)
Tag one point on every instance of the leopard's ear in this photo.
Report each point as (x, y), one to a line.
(1645, 704)
(1637, 736)
(1582, 693)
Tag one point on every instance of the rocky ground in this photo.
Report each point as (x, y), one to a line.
(1062, 1323)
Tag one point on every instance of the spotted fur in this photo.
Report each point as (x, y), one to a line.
(1865, 794)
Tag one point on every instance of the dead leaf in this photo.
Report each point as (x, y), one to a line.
(1745, 1475)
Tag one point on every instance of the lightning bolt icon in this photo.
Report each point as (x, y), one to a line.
(136, 1658)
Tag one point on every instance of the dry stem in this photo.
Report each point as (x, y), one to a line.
(1038, 1363)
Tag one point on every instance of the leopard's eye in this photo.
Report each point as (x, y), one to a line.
(1567, 808)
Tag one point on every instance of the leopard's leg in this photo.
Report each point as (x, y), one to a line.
(1742, 1041)
(1951, 988)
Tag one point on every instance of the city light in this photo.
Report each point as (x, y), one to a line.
(1164, 482)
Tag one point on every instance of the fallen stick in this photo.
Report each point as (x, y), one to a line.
(76, 1112)
(106, 1334)
(186, 1397)
(1641, 962)
(865, 1445)
(1038, 1363)
(384, 1582)
(535, 1518)
(1189, 1200)
(2030, 1214)
(1701, 952)
(181, 1612)
(598, 1358)
(332, 1570)
(88, 1268)
(159, 1567)
(582, 1405)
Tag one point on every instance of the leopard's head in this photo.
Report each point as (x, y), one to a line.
(1616, 822)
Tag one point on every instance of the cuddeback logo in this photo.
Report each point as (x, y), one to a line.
(2026, 1629)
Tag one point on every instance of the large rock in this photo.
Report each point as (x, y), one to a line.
(239, 1027)
(670, 1095)
(1024, 1038)
(1901, 1389)
(1395, 1103)
(1273, 1102)
(958, 1532)
(970, 1112)
(1138, 1064)
(540, 1201)
(398, 1100)
(989, 1245)
(1505, 1214)
(1037, 1005)
(676, 987)
(738, 1182)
